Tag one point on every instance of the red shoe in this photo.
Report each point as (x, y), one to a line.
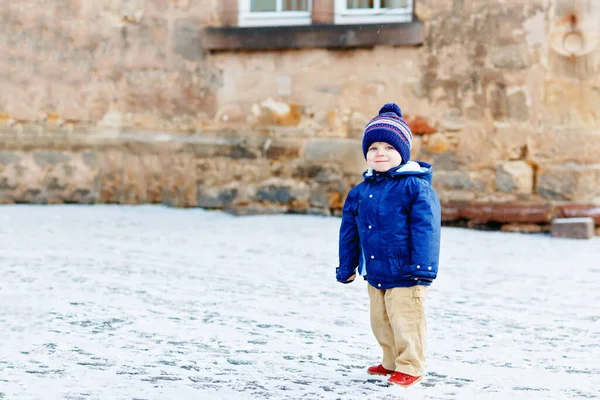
(403, 380)
(379, 370)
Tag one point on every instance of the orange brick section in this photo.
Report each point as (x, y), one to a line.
(228, 11)
(322, 12)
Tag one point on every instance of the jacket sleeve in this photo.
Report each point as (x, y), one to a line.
(425, 231)
(349, 241)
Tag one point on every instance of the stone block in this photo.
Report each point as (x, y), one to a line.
(420, 125)
(282, 191)
(347, 153)
(272, 112)
(283, 149)
(452, 180)
(513, 56)
(514, 177)
(111, 177)
(220, 198)
(319, 197)
(517, 106)
(569, 182)
(223, 145)
(320, 173)
(180, 186)
(187, 38)
(9, 157)
(44, 158)
(436, 143)
(562, 146)
(581, 114)
(574, 228)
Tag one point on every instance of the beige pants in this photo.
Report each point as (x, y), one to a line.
(398, 322)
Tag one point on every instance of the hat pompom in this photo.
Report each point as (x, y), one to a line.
(391, 108)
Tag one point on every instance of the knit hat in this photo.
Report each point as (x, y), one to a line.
(389, 127)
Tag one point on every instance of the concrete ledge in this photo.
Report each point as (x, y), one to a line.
(313, 36)
(574, 228)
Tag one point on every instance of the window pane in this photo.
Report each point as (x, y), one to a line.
(350, 4)
(263, 5)
(394, 4)
(295, 5)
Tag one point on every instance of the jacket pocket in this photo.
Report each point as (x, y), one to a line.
(395, 262)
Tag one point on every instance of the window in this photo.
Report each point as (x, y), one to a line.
(373, 11)
(274, 12)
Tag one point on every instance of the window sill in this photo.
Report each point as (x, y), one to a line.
(313, 36)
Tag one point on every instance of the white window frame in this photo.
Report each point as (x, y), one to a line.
(273, 18)
(376, 15)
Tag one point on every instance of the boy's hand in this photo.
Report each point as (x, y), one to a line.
(350, 280)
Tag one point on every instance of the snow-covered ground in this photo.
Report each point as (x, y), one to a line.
(109, 302)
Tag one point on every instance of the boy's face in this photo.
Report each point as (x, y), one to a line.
(382, 156)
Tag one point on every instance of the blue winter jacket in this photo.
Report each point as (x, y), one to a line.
(390, 230)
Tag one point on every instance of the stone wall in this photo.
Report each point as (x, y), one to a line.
(119, 102)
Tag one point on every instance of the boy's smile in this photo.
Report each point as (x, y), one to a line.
(382, 156)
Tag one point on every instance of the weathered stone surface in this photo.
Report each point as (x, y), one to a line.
(582, 99)
(187, 38)
(271, 112)
(71, 182)
(111, 177)
(319, 197)
(348, 153)
(514, 56)
(283, 191)
(569, 182)
(517, 106)
(574, 228)
(498, 103)
(181, 188)
(7, 157)
(43, 158)
(472, 140)
(563, 146)
(486, 102)
(436, 143)
(320, 173)
(236, 147)
(446, 162)
(231, 113)
(419, 125)
(284, 149)
(454, 180)
(530, 213)
(456, 196)
(514, 177)
(219, 198)
(452, 123)
(356, 125)
(220, 170)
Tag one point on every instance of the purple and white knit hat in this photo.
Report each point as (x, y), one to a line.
(389, 127)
